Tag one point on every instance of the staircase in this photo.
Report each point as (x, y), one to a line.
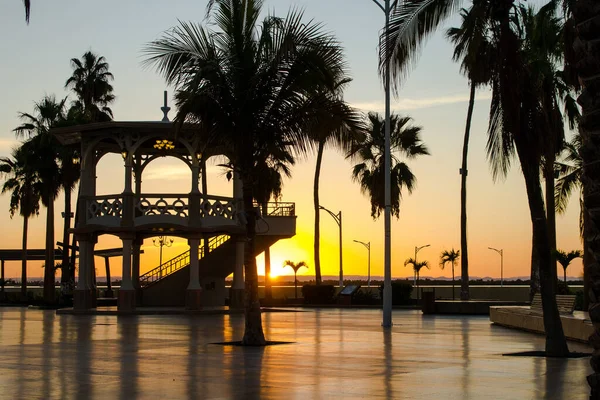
(166, 284)
(179, 262)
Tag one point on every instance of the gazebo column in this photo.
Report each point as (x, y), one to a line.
(193, 300)
(91, 262)
(85, 293)
(135, 270)
(236, 293)
(195, 199)
(127, 291)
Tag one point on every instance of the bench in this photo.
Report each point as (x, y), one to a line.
(565, 303)
(576, 325)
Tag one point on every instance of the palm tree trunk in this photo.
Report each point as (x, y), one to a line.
(556, 343)
(588, 256)
(268, 292)
(317, 214)
(464, 259)
(587, 20)
(452, 282)
(551, 209)
(66, 268)
(565, 275)
(49, 255)
(534, 284)
(24, 260)
(253, 333)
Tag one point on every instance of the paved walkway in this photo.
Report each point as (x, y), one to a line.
(337, 354)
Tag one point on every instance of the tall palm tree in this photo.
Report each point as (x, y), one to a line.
(90, 81)
(295, 267)
(338, 126)
(450, 257)
(405, 141)
(522, 120)
(23, 187)
(43, 149)
(586, 19)
(473, 49)
(417, 266)
(564, 259)
(255, 86)
(570, 172)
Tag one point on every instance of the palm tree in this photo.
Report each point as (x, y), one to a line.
(450, 257)
(27, 4)
(43, 149)
(338, 126)
(473, 49)
(564, 259)
(405, 141)
(417, 266)
(257, 87)
(295, 267)
(570, 172)
(523, 114)
(586, 15)
(24, 188)
(90, 81)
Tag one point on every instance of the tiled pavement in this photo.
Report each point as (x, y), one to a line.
(336, 354)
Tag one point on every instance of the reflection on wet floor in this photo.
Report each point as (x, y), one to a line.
(336, 353)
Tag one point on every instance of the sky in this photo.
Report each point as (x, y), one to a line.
(36, 61)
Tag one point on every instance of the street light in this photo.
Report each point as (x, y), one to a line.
(501, 252)
(416, 251)
(338, 219)
(368, 246)
(386, 6)
(162, 241)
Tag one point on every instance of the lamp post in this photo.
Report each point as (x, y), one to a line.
(386, 6)
(501, 252)
(162, 241)
(368, 246)
(416, 251)
(338, 219)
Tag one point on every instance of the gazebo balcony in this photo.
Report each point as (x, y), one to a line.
(185, 210)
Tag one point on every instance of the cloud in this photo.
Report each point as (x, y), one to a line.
(415, 104)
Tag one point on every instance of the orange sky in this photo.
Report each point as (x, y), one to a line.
(434, 95)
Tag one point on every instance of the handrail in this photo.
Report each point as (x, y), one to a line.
(180, 261)
(278, 209)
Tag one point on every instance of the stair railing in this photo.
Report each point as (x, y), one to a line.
(180, 261)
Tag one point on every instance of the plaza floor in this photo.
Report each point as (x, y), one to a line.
(335, 353)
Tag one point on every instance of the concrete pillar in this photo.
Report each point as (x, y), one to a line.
(194, 289)
(91, 277)
(135, 270)
(82, 296)
(236, 293)
(127, 291)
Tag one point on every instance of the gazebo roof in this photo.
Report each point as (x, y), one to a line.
(73, 134)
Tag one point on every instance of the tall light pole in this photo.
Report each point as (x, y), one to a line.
(501, 252)
(338, 219)
(162, 241)
(368, 246)
(386, 6)
(416, 251)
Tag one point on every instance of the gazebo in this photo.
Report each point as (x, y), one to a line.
(132, 215)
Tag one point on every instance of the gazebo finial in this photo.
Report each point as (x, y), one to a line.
(165, 109)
